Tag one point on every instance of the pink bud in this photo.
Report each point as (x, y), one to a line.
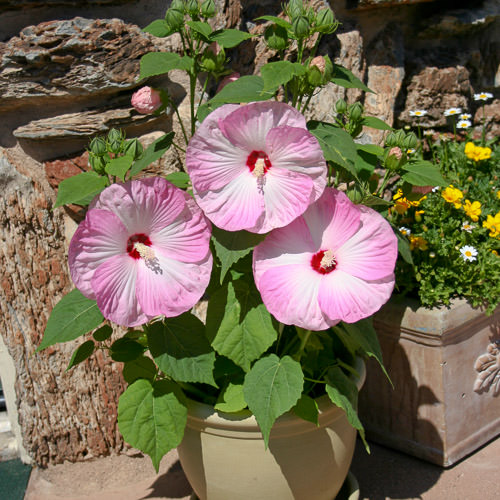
(319, 62)
(421, 189)
(146, 100)
(395, 151)
(227, 79)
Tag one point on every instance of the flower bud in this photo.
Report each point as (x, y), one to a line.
(393, 158)
(400, 137)
(410, 141)
(98, 163)
(193, 8)
(314, 76)
(276, 37)
(209, 61)
(174, 19)
(300, 27)
(395, 151)
(391, 140)
(146, 100)
(98, 146)
(355, 111)
(341, 106)
(133, 148)
(178, 5)
(325, 21)
(115, 141)
(208, 8)
(294, 9)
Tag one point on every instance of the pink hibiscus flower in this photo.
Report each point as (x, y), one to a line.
(334, 263)
(142, 251)
(255, 167)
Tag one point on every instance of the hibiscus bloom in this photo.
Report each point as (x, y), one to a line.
(255, 167)
(142, 251)
(146, 100)
(334, 263)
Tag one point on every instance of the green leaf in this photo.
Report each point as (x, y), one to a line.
(276, 20)
(231, 246)
(371, 149)
(343, 392)
(278, 73)
(83, 352)
(125, 349)
(423, 173)
(119, 166)
(231, 399)
(404, 247)
(103, 333)
(375, 201)
(151, 418)
(245, 89)
(159, 63)
(271, 388)
(80, 189)
(343, 77)
(373, 122)
(337, 144)
(238, 323)
(158, 28)
(307, 409)
(142, 367)
(203, 29)
(179, 179)
(153, 152)
(181, 350)
(73, 316)
(229, 38)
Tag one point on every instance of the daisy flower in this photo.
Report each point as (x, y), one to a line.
(142, 251)
(468, 253)
(465, 116)
(482, 96)
(405, 231)
(452, 111)
(255, 167)
(467, 226)
(464, 124)
(418, 112)
(334, 263)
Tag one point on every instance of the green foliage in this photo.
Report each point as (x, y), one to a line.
(80, 189)
(83, 352)
(152, 153)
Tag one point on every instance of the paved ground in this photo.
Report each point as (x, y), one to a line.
(385, 474)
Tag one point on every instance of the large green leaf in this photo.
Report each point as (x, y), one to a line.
(151, 417)
(272, 387)
(119, 166)
(80, 189)
(229, 38)
(231, 399)
(153, 152)
(239, 324)
(141, 367)
(125, 349)
(278, 73)
(307, 409)
(179, 179)
(181, 350)
(74, 315)
(277, 20)
(377, 123)
(246, 89)
(83, 352)
(203, 29)
(404, 247)
(343, 77)
(158, 28)
(337, 144)
(343, 392)
(231, 246)
(159, 63)
(423, 173)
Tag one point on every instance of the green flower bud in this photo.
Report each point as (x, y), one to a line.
(174, 19)
(133, 148)
(193, 8)
(276, 37)
(209, 61)
(294, 9)
(325, 21)
(355, 196)
(390, 140)
(115, 135)
(341, 106)
(208, 8)
(400, 137)
(178, 5)
(393, 158)
(355, 111)
(98, 163)
(314, 76)
(300, 27)
(98, 146)
(410, 141)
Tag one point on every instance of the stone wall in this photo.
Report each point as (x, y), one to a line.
(67, 72)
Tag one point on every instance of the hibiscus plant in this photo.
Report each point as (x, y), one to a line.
(273, 225)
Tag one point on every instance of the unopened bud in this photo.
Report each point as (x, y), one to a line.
(193, 8)
(300, 27)
(98, 163)
(294, 8)
(208, 8)
(355, 111)
(146, 100)
(134, 149)
(341, 106)
(98, 146)
(400, 137)
(276, 37)
(395, 151)
(174, 19)
(325, 21)
(410, 141)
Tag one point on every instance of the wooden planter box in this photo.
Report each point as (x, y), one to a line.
(434, 358)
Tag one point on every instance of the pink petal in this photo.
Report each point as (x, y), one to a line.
(187, 238)
(371, 253)
(290, 293)
(98, 238)
(248, 126)
(239, 205)
(343, 297)
(173, 287)
(114, 284)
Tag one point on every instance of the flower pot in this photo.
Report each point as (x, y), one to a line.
(445, 367)
(224, 458)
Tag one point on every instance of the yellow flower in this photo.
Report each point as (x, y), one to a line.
(473, 210)
(493, 224)
(476, 153)
(418, 242)
(498, 194)
(469, 148)
(453, 195)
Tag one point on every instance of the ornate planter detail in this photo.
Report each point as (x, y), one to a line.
(445, 367)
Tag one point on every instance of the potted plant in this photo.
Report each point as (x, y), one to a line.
(291, 267)
(439, 333)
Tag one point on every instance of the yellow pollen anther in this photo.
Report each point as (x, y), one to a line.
(328, 260)
(147, 253)
(259, 169)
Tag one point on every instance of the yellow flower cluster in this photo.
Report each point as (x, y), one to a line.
(453, 195)
(473, 210)
(402, 204)
(418, 242)
(493, 224)
(476, 153)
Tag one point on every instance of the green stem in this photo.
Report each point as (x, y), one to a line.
(303, 343)
(192, 89)
(306, 104)
(181, 124)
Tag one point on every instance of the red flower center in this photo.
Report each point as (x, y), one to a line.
(323, 262)
(259, 163)
(140, 238)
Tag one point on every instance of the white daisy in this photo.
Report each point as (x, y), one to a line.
(405, 231)
(464, 124)
(452, 111)
(435, 188)
(410, 151)
(428, 133)
(418, 112)
(468, 252)
(483, 96)
(467, 226)
(465, 116)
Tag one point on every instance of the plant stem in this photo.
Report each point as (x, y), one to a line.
(181, 124)
(303, 343)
